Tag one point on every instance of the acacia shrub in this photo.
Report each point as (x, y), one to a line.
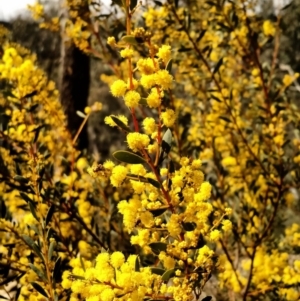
(230, 116)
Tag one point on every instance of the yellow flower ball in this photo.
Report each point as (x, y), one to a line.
(118, 88)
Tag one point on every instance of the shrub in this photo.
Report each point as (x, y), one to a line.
(207, 189)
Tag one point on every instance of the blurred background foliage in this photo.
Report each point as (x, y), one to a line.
(50, 50)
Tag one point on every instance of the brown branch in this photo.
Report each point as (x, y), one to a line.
(250, 275)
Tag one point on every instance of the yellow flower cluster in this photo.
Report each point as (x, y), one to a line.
(111, 278)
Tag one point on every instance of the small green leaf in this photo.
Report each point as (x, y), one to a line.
(137, 178)
(33, 107)
(76, 277)
(38, 272)
(39, 289)
(168, 274)
(159, 211)
(81, 114)
(137, 264)
(158, 271)
(50, 233)
(81, 262)
(133, 4)
(169, 66)
(158, 247)
(51, 249)
(49, 214)
(215, 98)
(154, 183)
(56, 269)
(33, 211)
(201, 35)
(32, 245)
(25, 197)
(184, 49)
(35, 229)
(167, 141)
(225, 118)
(217, 67)
(128, 157)
(120, 123)
(158, 3)
(37, 132)
(189, 226)
(20, 179)
(129, 39)
(33, 93)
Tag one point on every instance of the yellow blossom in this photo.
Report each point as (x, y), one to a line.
(168, 117)
(164, 53)
(132, 99)
(268, 28)
(137, 141)
(118, 88)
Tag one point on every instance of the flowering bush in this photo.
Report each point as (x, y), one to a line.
(207, 182)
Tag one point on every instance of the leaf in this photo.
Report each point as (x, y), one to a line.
(158, 271)
(158, 3)
(39, 289)
(169, 66)
(287, 6)
(81, 262)
(33, 93)
(80, 114)
(137, 178)
(189, 226)
(38, 272)
(76, 277)
(207, 298)
(56, 269)
(159, 211)
(167, 141)
(133, 4)
(211, 3)
(120, 123)
(137, 264)
(128, 157)
(215, 98)
(51, 249)
(33, 107)
(25, 197)
(37, 132)
(225, 118)
(168, 274)
(201, 35)
(218, 65)
(32, 245)
(50, 233)
(32, 210)
(20, 179)
(35, 229)
(129, 39)
(49, 214)
(154, 182)
(158, 247)
(184, 49)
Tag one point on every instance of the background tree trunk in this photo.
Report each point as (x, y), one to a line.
(74, 83)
